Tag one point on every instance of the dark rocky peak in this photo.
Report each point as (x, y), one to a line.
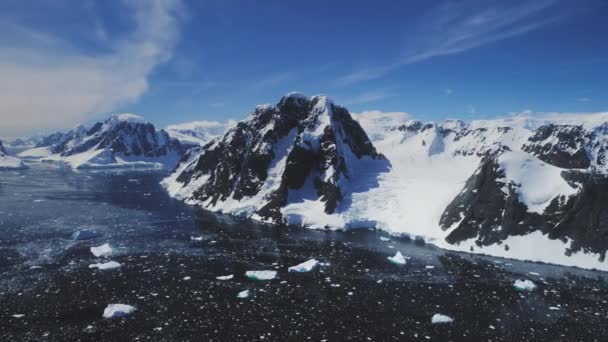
(564, 146)
(317, 142)
(2, 149)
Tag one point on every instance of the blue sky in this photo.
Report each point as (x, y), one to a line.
(65, 62)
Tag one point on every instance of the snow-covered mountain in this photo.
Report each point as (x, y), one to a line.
(123, 140)
(198, 133)
(300, 160)
(8, 162)
(26, 142)
(523, 187)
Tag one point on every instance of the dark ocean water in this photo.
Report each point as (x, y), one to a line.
(48, 292)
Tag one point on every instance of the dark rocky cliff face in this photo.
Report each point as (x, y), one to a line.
(485, 212)
(315, 137)
(559, 145)
(2, 149)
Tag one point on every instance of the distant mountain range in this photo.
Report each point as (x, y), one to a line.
(123, 140)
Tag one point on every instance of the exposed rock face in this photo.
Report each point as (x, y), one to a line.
(489, 210)
(301, 143)
(560, 145)
(2, 149)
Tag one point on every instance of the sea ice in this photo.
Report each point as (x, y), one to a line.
(440, 319)
(243, 294)
(84, 235)
(524, 285)
(106, 265)
(261, 275)
(226, 277)
(306, 266)
(102, 251)
(398, 259)
(117, 310)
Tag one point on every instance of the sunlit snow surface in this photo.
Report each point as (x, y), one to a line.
(49, 293)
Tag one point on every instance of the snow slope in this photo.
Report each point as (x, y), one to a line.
(198, 133)
(8, 162)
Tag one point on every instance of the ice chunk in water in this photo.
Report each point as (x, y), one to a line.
(226, 277)
(524, 285)
(243, 294)
(117, 310)
(261, 275)
(106, 265)
(84, 235)
(102, 251)
(397, 259)
(306, 266)
(440, 319)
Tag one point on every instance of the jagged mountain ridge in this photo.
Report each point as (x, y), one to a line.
(123, 140)
(462, 186)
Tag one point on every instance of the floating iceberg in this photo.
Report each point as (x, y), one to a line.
(226, 277)
(106, 265)
(261, 275)
(117, 310)
(243, 294)
(306, 266)
(84, 235)
(398, 259)
(440, 319)
(102, 251)
(524, 285)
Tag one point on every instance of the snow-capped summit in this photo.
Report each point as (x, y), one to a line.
(123, 140)
(296, 162)
(127, 117)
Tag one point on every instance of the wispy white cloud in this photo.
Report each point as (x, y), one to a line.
(48, 82)
(448, 91)
(367, 97)
(455, 27)
(584, 99)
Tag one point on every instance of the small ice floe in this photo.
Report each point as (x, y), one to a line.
(261, 275)
(196, 238)
(385, 239)
(187, 278)
(226, 277)
(534, 274)
(306, 266)
(106, 265)
(117, 310)
(102, 251)
(429, 267)
(441, 319)
(554, 308)
(84, 235)
(18, 315)
(243, 294)
(35, 267)
(397, 259)
(524, 285)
